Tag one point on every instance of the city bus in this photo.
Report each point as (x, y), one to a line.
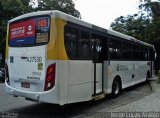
(53, 57)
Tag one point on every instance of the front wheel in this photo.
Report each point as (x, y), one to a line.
(116, 88)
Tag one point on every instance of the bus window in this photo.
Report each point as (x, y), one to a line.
(99, 48)
(152, 54)
(126, 50)
(135, 52)
(84, 46)
(71, 35)
(115, 49)
(144, 53)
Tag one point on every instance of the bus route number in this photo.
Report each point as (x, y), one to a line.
(42, 23)
(34, 59)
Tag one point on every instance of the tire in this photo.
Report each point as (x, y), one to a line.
(116, 88)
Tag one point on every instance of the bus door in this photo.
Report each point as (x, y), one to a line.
(152, 58)
(97, 55)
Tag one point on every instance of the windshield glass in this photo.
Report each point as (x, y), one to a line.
(29, 32)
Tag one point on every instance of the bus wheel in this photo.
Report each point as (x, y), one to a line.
(116, 88)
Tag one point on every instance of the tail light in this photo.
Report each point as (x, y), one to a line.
(50, 77)
(7, 74)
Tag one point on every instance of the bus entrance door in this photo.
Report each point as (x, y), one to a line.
(97, 63)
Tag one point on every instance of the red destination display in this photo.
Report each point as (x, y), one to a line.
(22, 29)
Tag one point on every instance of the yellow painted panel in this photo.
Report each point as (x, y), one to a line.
(62, 55)
(56, 49)
(6, 53)
(51, 47)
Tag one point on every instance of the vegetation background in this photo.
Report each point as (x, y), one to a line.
(144, 25)
(12, 8)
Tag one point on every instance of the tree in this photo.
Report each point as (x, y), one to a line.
(144, 25)
(133, 25)
(12, 8)
(66, 6)
(153, 11)
(8, 10)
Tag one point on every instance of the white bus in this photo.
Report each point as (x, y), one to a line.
(55, 58)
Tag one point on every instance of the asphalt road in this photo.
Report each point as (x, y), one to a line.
(20, 108)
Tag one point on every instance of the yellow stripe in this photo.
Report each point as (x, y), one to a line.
(51, 48)
(56, 48)
(62, 55)
(6, 53)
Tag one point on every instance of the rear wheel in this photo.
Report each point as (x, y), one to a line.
(116, 88)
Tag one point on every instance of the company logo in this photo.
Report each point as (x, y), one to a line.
(29, 28)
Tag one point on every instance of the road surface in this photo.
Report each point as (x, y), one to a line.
(18, 107)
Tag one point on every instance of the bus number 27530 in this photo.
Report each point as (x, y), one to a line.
(34, 59)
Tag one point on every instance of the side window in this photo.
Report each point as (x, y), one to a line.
(135, 52)
(71, 35)
(142, 53)
(151, 54)
(146, 53)
(99, 48)
(77, 43)
(84, 45)
(115, 49)
(126, 50)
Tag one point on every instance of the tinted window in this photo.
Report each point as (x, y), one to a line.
(99, 48)
(126, 50)
(151, 54)
(71, 36)
(146, 53)
(84, 45)
(115, 49)
(135, 52)
(77, 43)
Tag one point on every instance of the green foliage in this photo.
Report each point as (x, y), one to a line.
(8, 10)
(12, 8)
(66, 6)
(144, 25)
(132, 25)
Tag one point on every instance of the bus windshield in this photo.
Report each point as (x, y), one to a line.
(29, 32)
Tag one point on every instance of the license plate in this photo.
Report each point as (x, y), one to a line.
(25, 85)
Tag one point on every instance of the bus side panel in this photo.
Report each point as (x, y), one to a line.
(62, 61)
(80, 86)
(63, 81)
(130, 72)
(108, 77)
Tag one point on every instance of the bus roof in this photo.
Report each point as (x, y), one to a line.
(59, 14)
